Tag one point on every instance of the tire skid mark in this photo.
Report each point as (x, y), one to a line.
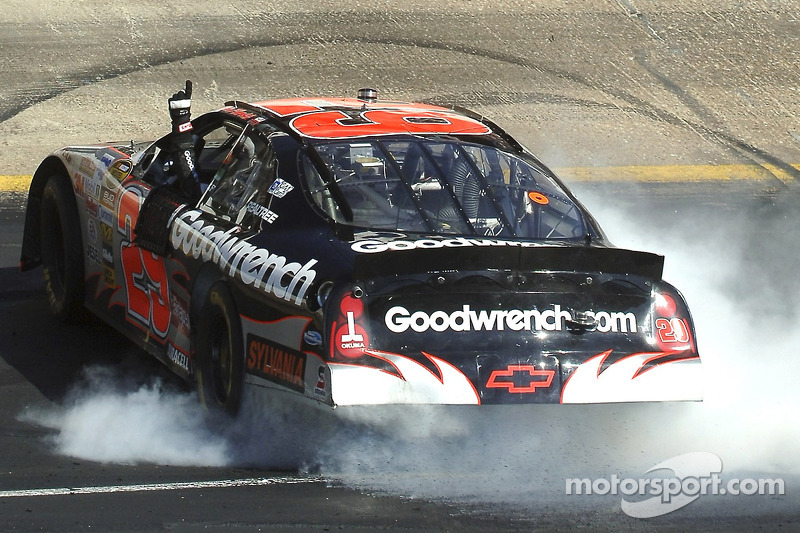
(638, 106)
(633, 12)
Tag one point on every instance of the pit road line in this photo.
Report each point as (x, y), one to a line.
(633, 173)
(112, 489)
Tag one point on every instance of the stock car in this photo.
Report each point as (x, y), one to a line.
(358, 251)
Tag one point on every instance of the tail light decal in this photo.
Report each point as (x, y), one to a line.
(673, 330)
(671, 324)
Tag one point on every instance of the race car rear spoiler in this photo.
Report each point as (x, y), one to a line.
(510, 257)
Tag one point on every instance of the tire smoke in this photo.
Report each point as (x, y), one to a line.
(739, 277)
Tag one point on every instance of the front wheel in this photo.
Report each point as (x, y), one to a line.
(62, 249)
(219, 352)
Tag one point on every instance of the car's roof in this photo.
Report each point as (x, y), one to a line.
(347, 118)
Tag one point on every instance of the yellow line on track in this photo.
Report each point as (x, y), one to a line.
(678, 173)
(635, 173)
(17, 183)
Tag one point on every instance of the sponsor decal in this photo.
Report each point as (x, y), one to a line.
(109, 276)
(107, 160)
(275, 363)
(105, 215)
(189, 159)
(107, 233)
(91, 187)
(241, 113)
(120, 169)
(93, 253)
(178, 357)
(77, 185)
(319, 388)
(398, 319)
(91, 206)
(108, 198)
(280, 188)
(87, 167)
(107, 260)
(262, 212)
(108, 255)
(252, 265)
(91, 229)
(109, 155)
(186, 126)
(180, 314)
(314, 338)
(522, 379)
(350, 339)
(375, 246)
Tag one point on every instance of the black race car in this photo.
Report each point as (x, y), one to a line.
(358, 251)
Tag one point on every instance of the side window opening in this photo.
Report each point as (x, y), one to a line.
(155, 165)
(239, 186)
(212, 150)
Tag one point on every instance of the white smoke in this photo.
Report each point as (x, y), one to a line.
(736, 270)
(747, 334)
(109, 418)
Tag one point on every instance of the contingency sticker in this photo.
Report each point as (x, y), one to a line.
(280, 188)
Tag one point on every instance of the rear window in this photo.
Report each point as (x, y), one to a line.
(442, 187)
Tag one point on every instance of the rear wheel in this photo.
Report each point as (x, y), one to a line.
(62, 249)
(220, 352)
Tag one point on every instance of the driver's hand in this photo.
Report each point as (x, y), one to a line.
(180, 109)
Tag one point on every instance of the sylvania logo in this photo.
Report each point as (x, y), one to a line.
(278, 364)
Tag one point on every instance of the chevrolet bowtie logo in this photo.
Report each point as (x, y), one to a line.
(520, 379)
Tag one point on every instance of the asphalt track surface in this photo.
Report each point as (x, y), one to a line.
(676, 123)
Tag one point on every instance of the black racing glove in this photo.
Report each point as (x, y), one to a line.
(180, 109)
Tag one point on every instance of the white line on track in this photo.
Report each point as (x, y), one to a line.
(111, 489)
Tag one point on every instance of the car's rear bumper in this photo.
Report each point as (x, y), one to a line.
(641, 377)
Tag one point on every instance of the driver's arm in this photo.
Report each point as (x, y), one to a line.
(182, 142)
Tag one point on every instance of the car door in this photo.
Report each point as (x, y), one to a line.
(153, 304)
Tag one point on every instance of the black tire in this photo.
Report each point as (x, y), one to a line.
(220, 352)
(62, 249)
